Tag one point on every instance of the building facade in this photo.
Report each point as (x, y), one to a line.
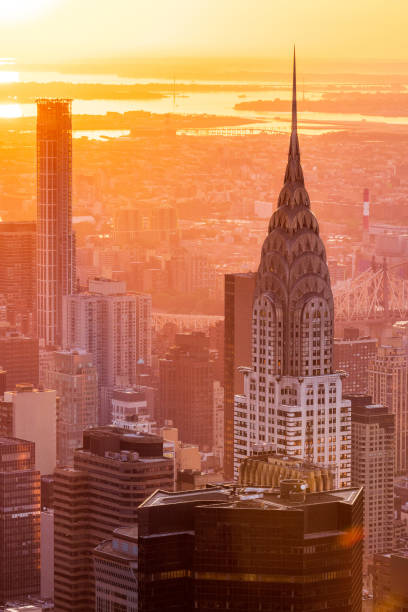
(353, 354)
(116, 569)
(388, 385)
(55, 239)
(119, 467)
(239, 298)
(273, 550)
(20, 506)
(31, 414)
(75, 379)
(18, 273)
(372, 467)
(292, 396)
(186, 389)
(115, 328)
(19, 357)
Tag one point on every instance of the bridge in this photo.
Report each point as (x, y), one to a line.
(378, 294)
(229, 131)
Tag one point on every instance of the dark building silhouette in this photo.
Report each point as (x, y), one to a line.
(20, 520)
(186, 389)
(113, 473)
(239, 298)
(18, 278)
(220, 549)
(19, 357)
(55, 239)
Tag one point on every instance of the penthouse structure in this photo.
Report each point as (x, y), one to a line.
(292, 395)
(55, 239)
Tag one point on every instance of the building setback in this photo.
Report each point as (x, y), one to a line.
(113, 473)
(272, 550)
(20, 506)
(55, 239)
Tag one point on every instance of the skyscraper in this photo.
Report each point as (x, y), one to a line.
(372, 467)
(55, 239)
(186, 389)
(18, 277)
(353, 355)
(75, 379)
(245, 550)
(115, 328)
(20, 506)
(293, 398)
(239, 298)
(113, 473)
(19, 357)
(388, 385)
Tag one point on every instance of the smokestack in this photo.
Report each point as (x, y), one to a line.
(366, 214)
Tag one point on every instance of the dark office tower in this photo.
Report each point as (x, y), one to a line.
(55, 240)
(277, 551)
(353, 355)
(372, 467)
(186, 389)
(19, 357)
(18, 277)
(19, 520)
(239, 298)
(390, 584)
(113, 473)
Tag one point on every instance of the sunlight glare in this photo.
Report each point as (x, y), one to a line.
(10, 111)
(13, 10)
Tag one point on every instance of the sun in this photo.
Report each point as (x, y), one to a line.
(16, 10)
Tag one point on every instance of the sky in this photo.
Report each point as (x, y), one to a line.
(65, 30)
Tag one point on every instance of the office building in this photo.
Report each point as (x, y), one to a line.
(31, 414)
(114, 465)
(18, 273)
(239, 298)
(372, 467)
(353, 355)
(274, 550)
(47, 553)
(55, 239)
(390, 583)
(186, 389)
(116, 569)
(18, 357)
(75, 379)
(292, 396)
(115, 328)
(388, 385)
(20, 520)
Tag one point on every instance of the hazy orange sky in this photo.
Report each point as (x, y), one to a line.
(58, 30)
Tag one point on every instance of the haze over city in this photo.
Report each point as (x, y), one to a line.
(203, 306)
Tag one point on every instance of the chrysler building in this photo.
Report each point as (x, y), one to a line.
(293, 398)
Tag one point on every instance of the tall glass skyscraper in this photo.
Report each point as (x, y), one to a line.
(55, 240)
